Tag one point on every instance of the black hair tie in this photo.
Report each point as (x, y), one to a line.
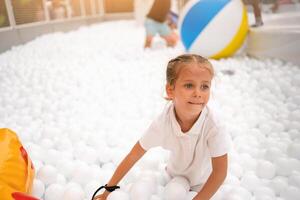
(107, 188)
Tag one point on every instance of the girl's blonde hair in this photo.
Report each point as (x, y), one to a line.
(176, 64)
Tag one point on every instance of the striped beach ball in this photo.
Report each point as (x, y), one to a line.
(213, 28)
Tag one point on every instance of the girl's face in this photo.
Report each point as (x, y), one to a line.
(191, 90)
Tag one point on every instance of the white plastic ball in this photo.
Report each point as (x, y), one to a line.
(61, 179)
(265, 169)
(73, 191)
(295, 165)
(64, 144)
(176, 189)
(97, 140)
(38, 188)
(90, 188)
(117, 156)
(117, 195)
(278, 184)
(160, 190)
(294, 125)
(264, 197)
(225, 189)
(51, 157)
(80, 172)
(96, 172)
(79, 149)
(250, 181)
(294, 149)
(139, 191)
(151, 160)
(294, 134)
(47, 174)
(66, 168)
(66, 155)
(232, 196)
(34, 151)
(150, 178)
(295, 115)
(291, 193)
(283, 166)
(54, 192)
(155, 197)
(273, 153)
(46, 143)
(236, 170)
(247, 162)
(264, 191)
(105, 156)
(190, 195)
(265, 128)
(108, 166)
(90, 156)
(163, 177)
(239, 193)
(106, 175)
(37, 164)
(232, 180)
(294, 179)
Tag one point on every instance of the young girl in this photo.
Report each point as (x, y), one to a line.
(188, 129)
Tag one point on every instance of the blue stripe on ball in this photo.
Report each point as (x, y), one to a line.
(198, 17)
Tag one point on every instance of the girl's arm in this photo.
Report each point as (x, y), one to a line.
(134, 155)
(216, 178)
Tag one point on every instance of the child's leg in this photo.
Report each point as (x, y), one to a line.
(150, 27)
(257, 13)
(171, 39)
(275, 6)
(177, 188)
(168, 35)
(148, 41)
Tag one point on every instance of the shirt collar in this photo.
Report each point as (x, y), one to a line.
(196, 128)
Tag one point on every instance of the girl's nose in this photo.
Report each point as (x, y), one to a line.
(197, 93)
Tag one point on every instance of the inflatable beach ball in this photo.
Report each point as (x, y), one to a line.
(213, 28)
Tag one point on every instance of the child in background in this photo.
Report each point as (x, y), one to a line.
(188, 129)
(277, 3)
(257, 14)
(156, 23)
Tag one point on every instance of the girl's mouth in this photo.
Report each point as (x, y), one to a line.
(195, 103)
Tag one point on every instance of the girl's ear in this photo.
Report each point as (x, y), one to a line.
(169, 91)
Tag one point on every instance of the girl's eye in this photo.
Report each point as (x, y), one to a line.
(188, 85)
(204, 87)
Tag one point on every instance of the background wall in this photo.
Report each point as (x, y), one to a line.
(116, 6)
(24, 20)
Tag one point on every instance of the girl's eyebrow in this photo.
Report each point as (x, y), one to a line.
(193, 81)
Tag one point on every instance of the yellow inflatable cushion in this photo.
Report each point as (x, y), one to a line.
(16, 168)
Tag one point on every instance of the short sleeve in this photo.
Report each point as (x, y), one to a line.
(219, 142)
(153, 136)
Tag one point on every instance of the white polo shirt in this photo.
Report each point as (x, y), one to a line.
(190, 152)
